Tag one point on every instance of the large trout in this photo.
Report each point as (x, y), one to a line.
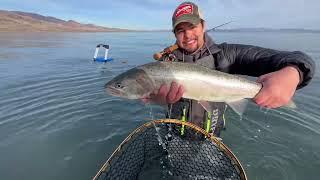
(200, 83)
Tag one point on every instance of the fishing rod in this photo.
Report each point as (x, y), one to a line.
(168, 50)
(212, 29)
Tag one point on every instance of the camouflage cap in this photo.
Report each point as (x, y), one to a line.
(186, 12)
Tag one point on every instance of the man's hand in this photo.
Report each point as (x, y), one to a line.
(165, 95)
(278, 87)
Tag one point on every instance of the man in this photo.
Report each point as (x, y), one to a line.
(280, 72)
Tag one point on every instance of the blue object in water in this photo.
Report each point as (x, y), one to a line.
(102, 59)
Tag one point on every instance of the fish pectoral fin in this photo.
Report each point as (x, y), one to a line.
(291, 105)
(206, 105)
(238, 106)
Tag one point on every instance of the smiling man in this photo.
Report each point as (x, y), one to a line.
(280, 72)
(188, 26)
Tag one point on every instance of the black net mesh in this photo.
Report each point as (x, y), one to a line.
(159, 151)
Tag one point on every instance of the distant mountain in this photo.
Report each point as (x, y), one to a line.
(16, 21)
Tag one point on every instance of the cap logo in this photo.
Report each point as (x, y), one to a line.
(184, 9)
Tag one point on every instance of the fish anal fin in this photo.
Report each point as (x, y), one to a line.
(238, 106)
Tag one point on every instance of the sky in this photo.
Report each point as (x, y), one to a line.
(156, 14)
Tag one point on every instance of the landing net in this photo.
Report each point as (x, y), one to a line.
(171, 149)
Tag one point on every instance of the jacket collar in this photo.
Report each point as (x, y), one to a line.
(210, 44)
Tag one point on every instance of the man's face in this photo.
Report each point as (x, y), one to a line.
(189, 37)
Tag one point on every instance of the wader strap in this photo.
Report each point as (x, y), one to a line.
(183, 119)
(208, 122)
(211, 120)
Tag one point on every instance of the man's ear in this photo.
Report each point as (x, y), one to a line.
(204, 26)
(175, 35)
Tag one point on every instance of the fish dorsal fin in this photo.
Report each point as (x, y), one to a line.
(238, 106)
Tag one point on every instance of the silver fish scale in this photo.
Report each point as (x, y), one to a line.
(226, 86)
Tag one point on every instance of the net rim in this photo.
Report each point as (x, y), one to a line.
(211, 137)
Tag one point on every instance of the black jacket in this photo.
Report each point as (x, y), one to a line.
(237, 59)
(252, 60)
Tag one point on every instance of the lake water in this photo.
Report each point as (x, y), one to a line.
(57, 122)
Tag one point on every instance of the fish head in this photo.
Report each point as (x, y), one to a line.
(132, 84)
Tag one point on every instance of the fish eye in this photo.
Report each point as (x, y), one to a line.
(118, 85)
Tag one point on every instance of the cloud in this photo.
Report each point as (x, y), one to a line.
(154, 14)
